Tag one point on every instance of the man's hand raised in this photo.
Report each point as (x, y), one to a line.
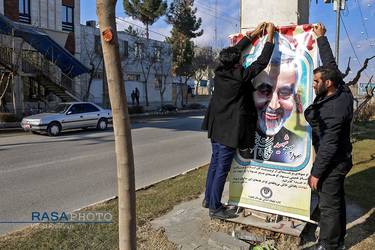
(258, 30)
(319, 30)
(270, 30)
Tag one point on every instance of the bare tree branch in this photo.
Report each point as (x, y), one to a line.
(356, 78)
(343, 75)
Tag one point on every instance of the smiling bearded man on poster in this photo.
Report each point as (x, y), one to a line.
(276, 98)
(272, 176)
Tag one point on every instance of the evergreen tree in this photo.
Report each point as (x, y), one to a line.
(185, 27)
(182, 16)
(134, 32)
(146, 11)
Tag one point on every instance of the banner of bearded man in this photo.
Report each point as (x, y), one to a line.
(272, 176)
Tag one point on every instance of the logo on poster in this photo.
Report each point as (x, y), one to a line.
(266, 192)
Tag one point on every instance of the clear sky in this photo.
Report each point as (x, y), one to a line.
(357, 27)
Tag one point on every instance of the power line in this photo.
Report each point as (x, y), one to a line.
(217, 17)
(121, 19)
(346, 31)
(214, 14)
(363, 22)
(216, 11)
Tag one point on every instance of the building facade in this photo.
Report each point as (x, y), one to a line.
(42, 33)
(146, 63)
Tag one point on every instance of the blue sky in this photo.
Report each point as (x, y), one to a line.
(357, 28)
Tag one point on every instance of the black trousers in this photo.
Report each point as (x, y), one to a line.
(332, 204)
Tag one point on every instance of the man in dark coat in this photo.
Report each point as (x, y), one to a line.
(231, 115)
(137, 95)
(330, 117)
(133, 96)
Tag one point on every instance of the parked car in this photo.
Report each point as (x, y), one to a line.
(68, 116)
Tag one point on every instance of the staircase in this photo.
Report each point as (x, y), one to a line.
(41, 70)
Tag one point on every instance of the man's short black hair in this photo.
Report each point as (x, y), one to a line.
(328, 73)
(229, 57)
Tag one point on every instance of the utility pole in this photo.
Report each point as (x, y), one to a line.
(338, 9)
(216, 24)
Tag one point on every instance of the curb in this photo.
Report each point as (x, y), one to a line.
(10, 125)
(156, 113)
(17, 124)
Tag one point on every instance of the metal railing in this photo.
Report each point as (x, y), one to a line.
(35, 63)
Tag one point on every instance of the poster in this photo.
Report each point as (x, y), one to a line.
(272, 176)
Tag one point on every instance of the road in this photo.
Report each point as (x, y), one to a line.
(41, 174)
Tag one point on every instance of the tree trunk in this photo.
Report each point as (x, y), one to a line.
(146, 93)
(121, 124)
(147, 30)
(86, 96)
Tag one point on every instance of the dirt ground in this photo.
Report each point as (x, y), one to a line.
(188, 226)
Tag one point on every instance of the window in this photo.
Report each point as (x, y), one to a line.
(97, 45)
(33, 91)
(75, 109)
(89, 108)
(67, 18)
(97, 75)
(157, 52)
(203, 83)
(24, 11)
(123, 48)
(138, 50)
(133, 77)
(158, 81)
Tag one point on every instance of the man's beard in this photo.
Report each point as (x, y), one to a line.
(321, 90)
(272, 127)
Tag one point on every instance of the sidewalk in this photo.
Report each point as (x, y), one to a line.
(153, 107)
(190, 227)
(187, 226)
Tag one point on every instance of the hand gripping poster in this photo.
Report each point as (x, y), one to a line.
(272, 176)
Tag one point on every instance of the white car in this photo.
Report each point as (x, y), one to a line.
(68, 116)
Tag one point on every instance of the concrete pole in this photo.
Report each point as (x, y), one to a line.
(338, 9)
(215, 46)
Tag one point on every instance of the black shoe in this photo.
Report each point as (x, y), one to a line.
(205, 204)
(222, 213)
(341, 246)
(320, 247)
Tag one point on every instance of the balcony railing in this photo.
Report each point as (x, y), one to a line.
(33, 62)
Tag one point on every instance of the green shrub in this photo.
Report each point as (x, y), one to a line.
(195, 106)
(135, 109)
(7, 117)
(169, 105)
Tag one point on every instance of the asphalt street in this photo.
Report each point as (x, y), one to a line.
(41, 174)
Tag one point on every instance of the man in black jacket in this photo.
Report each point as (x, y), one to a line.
(330, 117)
(231, 115)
